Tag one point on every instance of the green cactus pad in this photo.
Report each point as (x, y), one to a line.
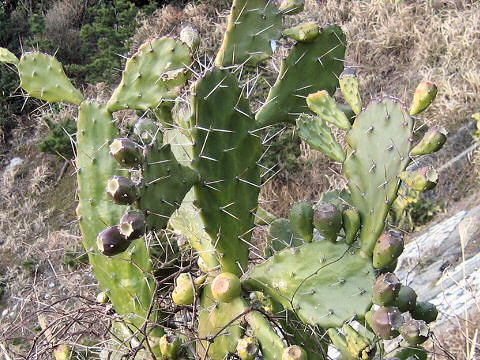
(7, 57)
(165, 184)
(212, 318)
(379, 146)
(309, 67)
(186, 220)
(271, 344)
(322, 104)
(316, 133)
(351, 224)
(42, 76)
(225, 155)
(349, 86)
(311, 279)
(124, 277)
(252, 25)
(154, 74)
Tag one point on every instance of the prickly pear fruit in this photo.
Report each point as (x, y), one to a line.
(226, 287)
(132, 224)
(147, 130)
(305, 32)
(122, 190)
(301, 220)
(126, 152)
(190, 37)
(327, 219)
(424, 95)
(294, 352)
(111, 242)
(349, 87)
(199, 281)
(386, 289)
(184, 291)
(322, 104)
(291, 7)
(351, 224)
(102, 297)
(62, 352)
(406, 299)
(247, 348)
(415, 332)
(357, 344)
(388, 248)
(386, 321)
(424, 178)
(431, 142)
(169, 346)
(425, 311)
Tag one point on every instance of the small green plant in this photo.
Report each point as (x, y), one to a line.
(197, 171)
(61, 138)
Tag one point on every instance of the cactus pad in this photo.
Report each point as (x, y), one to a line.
(271, 344)
(226, 156)
(379, 151)
(42, 76)
(252, 25)
(213, 319)
(311, 279)
(154, 74)
(309, 67)
(124, 277)
(7, 57)
(316, 133)
(165, 184)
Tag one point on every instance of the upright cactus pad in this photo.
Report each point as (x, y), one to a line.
(7, 57)
(124, 277)
(252, 26)
(42, 77)
(154, 74)
(379, 141)
(316, 133)
(309, 67)
(311, 279)
(225, 156)
(220, 323)
(165, 183)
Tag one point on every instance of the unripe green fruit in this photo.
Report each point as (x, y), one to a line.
(247, 348)
(62, 352)
(102, 297)
(415, 332)
(351, 224)
(386, 321)
(422, 179)
(425, 311)
(385, 289)
(305, 32)
(327, 219)
(294, 352)
(424, 95)
(301, 220)
(431, 142)
(169, 346)
(291, 7)
(406, 299)
(387, 249)
(184, 291)
(226, 287)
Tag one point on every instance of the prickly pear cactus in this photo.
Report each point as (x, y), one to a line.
(189, 180)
